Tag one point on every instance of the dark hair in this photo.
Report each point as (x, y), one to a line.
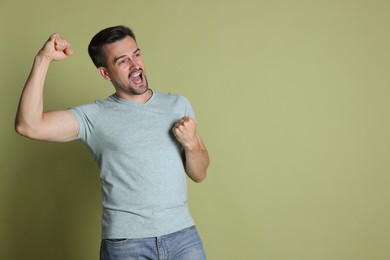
(106, 36)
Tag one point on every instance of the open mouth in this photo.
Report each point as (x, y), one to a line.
(136, 77)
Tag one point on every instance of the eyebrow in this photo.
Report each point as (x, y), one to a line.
(124, 55)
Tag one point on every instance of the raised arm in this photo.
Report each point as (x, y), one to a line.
(196, 158)
(31, 121)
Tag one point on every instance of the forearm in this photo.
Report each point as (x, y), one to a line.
(30, 110)
(196, 160)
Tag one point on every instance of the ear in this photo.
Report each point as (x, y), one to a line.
(102, 71)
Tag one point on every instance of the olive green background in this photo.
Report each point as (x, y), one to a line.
(292, 100)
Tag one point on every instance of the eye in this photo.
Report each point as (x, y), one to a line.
(123, 61)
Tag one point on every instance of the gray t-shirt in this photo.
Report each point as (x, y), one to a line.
(142, 177)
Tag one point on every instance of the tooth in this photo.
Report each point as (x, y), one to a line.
(136, 74)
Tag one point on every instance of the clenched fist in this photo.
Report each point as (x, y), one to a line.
(56, 48)
(185, 132)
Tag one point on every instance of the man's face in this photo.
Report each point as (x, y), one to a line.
(125, 67)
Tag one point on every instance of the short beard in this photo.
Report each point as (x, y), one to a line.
(130, 90)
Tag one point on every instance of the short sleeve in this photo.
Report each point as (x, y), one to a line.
(85, 116)
(189, 111)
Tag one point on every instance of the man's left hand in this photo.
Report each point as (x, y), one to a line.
(185, 132)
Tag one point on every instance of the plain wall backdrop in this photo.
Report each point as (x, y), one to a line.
(292, 100)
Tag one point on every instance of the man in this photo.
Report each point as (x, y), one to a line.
(143, 142)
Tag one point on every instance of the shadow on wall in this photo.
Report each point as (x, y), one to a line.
(53, 207)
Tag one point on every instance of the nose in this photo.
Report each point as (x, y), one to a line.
(132, 64)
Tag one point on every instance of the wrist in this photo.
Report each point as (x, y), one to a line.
(42, 57)
(192, 146)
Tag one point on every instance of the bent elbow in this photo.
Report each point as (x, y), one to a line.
(21, 130)
(199, 178)
(24, 130)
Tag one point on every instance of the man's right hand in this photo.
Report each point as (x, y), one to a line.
(31, 121)
(56, 48)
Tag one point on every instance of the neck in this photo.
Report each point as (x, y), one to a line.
(140, 98)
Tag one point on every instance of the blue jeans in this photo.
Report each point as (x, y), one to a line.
(181, 245)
